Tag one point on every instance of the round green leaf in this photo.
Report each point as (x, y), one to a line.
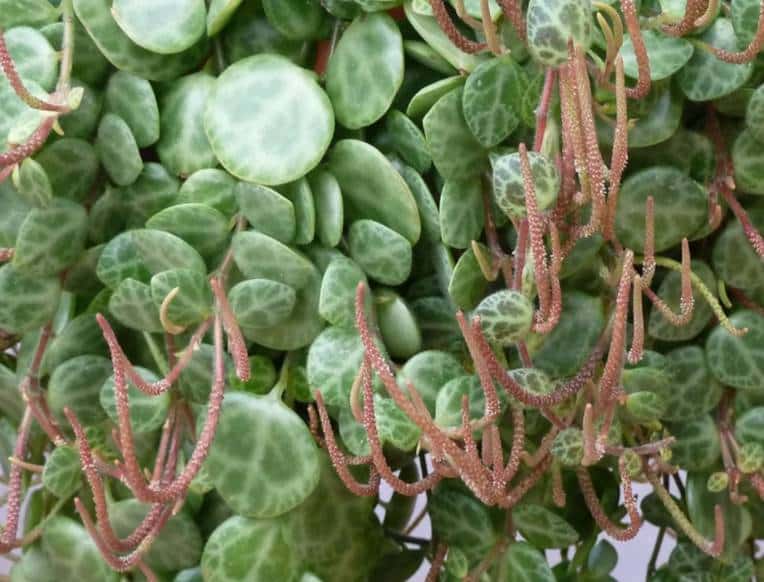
(123, 53)
(268, 121)
(262, 302)
(456, 153)
(381, 252)
(334, 359)
(178, 545)
(193, 302)
(738, 361)
(161, 26)
(249, 549)
(133, 99)
(28, 301)
(681, 207)
(34, 58)
(365, 70)
(734, 259)
(553, 23)
(508, 188)
(526, 564)
(408, 141)
(461, 212)
(62, 473)
(212, 187)
(301, 197)
(154, 190)
(489, 99)
(76, 384)
(51, 239)
(427, 96)
(705, 77)
(133, 306)
(429, 371)
(543, 528)
(32, 182)
(301, 327)
(371, 188)
(71, 166)
(747, 157)
(118, 150)
(691, 390)
(397, 325)
(267, 211)
(468, 284)
(667, 54)
(749, 426)
(697, 443)
(201, 226)
(295, 19)
(262, 257)
(336, 303)
(505, 317)
(328, 207)
(73, 553)
(263, 461)
(147, 413)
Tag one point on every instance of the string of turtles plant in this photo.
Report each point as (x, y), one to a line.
(260, 257)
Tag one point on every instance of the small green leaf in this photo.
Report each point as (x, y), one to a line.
(62, 473)
(118, 150)
(132, 98)
(262, 302)
(28, 302)
(147, 413)
(543, 528)
(365, 70)
(381, 252)
(163, 26)
(201, 226)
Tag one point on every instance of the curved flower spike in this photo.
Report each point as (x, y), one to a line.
(119, 359)
(648, 263)
(711, 547)
(642, 87)
(131, 560)
(166, 492)
(614, 364)
(339, 459)
(748, 53)
(109, 537)
(9, 68)
(436, 565)
(751, 233)
(518, 444)
(513, 12)
(536, 231)
(687, 301)
(449, 28)
(30, 147)
(694, 11)
(236, 344)
(377, 454)
(638, 331)
(598, 512)
(620, 155)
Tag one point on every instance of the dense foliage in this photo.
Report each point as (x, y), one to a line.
(258, 258)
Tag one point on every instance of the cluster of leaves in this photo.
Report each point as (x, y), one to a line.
(258, 257)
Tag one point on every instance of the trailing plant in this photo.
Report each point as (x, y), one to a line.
(264, 262)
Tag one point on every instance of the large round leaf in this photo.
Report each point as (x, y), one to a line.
(366, 70)
(268, 121)
(249, 549)
(263, 461)
(73, 553)
(76, 384)
(161, 26)
(667, 54)
(262, 302)
(123, 53)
